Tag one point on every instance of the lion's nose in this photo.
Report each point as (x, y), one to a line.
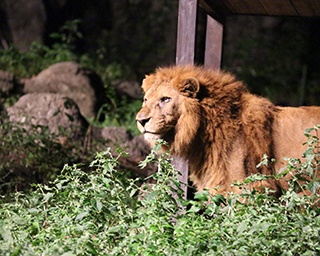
(142, 119)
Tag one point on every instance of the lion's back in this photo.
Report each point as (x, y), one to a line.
(288, 131)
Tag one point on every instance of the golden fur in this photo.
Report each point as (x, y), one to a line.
(211, 120)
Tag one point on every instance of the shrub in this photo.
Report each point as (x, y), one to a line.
(33, 155)
(103, 212)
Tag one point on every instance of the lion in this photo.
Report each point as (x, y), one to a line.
(211, 120)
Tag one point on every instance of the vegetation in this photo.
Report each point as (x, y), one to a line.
(103, 212)
(33, 155)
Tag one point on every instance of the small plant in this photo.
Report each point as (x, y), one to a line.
(305, 174)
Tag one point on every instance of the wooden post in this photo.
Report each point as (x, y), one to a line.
(186, 34)
(182, 167)
(214, 38)
(186, 38)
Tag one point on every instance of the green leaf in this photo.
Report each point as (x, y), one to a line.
(218, 199)
(33, 210)
(194, 209)
(81, 216)
(7, 235)
(313, 186)
(68, 254)
(99, 205)
(242, 227)
(114, 229)
(47, 197)
(202, 196)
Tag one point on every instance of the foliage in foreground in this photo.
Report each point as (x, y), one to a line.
(102, 212)
(33, 155)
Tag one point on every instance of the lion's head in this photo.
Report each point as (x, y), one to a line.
(175, 102)
(169, 103)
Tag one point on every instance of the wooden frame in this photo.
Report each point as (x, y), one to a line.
(187, 26)
(186, 36)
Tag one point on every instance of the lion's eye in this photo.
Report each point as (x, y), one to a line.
(165, 99)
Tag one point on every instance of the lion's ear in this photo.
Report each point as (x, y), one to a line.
(189, 87)
(146, 83)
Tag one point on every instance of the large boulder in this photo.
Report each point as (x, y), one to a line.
(138, 149)
(72, 80)
(55, 111)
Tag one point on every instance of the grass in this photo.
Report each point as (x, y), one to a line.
(102, 211)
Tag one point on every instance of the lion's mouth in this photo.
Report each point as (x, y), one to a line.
(149, 132)
(143, 130)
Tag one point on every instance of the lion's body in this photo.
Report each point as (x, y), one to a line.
(212, 121)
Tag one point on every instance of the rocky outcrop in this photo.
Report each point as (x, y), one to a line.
(118, 137)
(60, 114)
(70, 79)
(24, 22)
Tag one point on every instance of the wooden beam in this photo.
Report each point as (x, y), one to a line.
(213, 48)
(307, 8)
(283, 7)
(245, 7)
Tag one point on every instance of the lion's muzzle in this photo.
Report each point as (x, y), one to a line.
(142, 119)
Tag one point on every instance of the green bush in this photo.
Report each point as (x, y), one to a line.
(103, 212)
(33, 155)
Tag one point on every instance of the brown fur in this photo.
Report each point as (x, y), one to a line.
(210, 119)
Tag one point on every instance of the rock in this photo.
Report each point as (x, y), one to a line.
(113, 137)
(116, 136)
(54, 111)
(70, 79)
(24, 22)
(129, 88)
(138, 149)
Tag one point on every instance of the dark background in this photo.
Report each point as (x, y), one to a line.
(277, 57)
